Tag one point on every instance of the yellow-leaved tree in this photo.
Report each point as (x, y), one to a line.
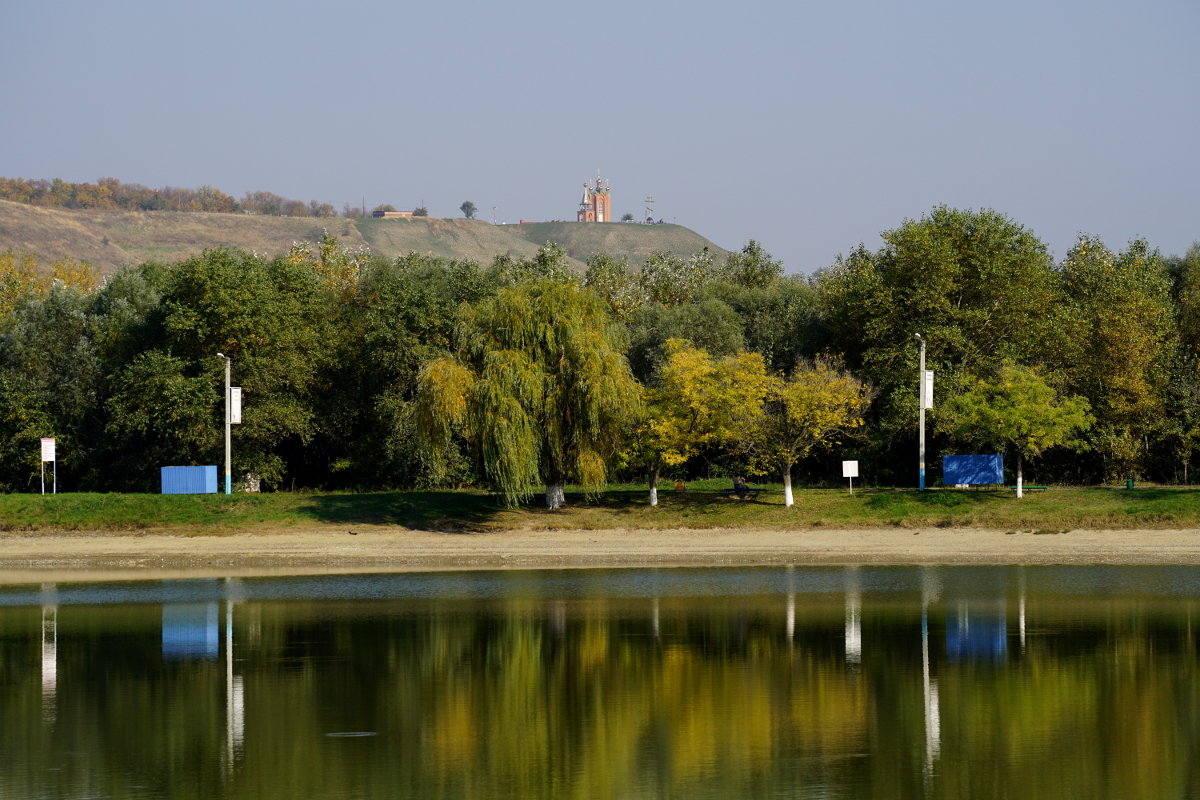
(700, 401)
(814, 407)
(20, 276)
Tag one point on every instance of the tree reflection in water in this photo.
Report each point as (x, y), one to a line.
(858, 682)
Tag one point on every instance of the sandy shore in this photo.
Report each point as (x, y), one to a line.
(45, 557)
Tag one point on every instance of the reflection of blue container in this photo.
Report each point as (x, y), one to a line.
(190, 631)
(976, 637)
(189, 480)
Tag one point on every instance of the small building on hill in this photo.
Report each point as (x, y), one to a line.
(596, 205)
(391, 214)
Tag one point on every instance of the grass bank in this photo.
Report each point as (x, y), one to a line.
(701, 505)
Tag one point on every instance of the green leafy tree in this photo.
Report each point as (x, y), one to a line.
(814, 407)
(540, 387)
(612, 280)
(403, 316)
(1122, 336)
(710, 325)
(468, 209)
(273, 318)
(671, 280)
(384, 207)
(752, 268)
(979, 286)
(50, 375)
(548, 263)
(161, 416)
(778, 320)
(420, 211)
(1016, 409)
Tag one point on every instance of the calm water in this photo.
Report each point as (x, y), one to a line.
(1056, 682)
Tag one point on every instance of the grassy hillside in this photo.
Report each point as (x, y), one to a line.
(581, 240)
(111, 239)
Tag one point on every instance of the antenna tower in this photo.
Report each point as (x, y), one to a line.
(649, 208)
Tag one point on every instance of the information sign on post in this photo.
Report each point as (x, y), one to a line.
(927, 391)
(850, 470)
(48, 455)
(235, 405)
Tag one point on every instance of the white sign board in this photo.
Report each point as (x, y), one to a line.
(235, 405)
(927, 389)
(850, 469)
(48, 450)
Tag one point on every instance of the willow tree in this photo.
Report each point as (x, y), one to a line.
(539, 388)
(816, 405)
(699, 400)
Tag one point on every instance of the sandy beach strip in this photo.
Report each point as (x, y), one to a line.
(63, 557)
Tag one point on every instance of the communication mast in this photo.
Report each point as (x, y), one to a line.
(649, 209)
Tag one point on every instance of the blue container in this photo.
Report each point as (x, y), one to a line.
(189, 480)
(972, 470)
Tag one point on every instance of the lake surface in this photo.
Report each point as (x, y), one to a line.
(948, 682)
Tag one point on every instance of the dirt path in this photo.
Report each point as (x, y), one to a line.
(45, 557)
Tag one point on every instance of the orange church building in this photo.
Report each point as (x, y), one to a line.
(596, 205)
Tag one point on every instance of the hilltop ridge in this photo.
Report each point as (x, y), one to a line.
(112, 239)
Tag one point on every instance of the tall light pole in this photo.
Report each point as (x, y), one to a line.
(921, 402)
(228, 421)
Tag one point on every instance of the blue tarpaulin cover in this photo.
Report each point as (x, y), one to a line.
(973, 470)
(189, 480)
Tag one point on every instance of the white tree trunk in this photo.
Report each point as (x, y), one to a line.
(787, 486)
(653, 480)
(1020, 478)
(554, 495)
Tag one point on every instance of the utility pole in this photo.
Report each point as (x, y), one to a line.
(228, 423)
(921, 402)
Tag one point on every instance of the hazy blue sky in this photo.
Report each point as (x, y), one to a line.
(808, 126)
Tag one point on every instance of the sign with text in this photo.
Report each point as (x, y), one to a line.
(927, 390)
(235, 405)
(849, 469)
(48, 450)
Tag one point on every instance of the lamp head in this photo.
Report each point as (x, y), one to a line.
(222, 355)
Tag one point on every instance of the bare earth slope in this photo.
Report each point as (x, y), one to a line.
(112, 239)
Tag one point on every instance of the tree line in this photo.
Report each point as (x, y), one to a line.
(112, 194)
(520, 375)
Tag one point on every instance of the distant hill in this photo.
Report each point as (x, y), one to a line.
(112, 239)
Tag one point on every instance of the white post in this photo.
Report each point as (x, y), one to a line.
(228, 440)
(921, 402)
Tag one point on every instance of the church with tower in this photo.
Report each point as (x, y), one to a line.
(596, 205)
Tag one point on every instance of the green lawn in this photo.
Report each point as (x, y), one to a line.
(701, 505)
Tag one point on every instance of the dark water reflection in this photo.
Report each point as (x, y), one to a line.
(873, 682)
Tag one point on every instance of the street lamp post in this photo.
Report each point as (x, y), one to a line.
(228, 421)
(921, 402)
